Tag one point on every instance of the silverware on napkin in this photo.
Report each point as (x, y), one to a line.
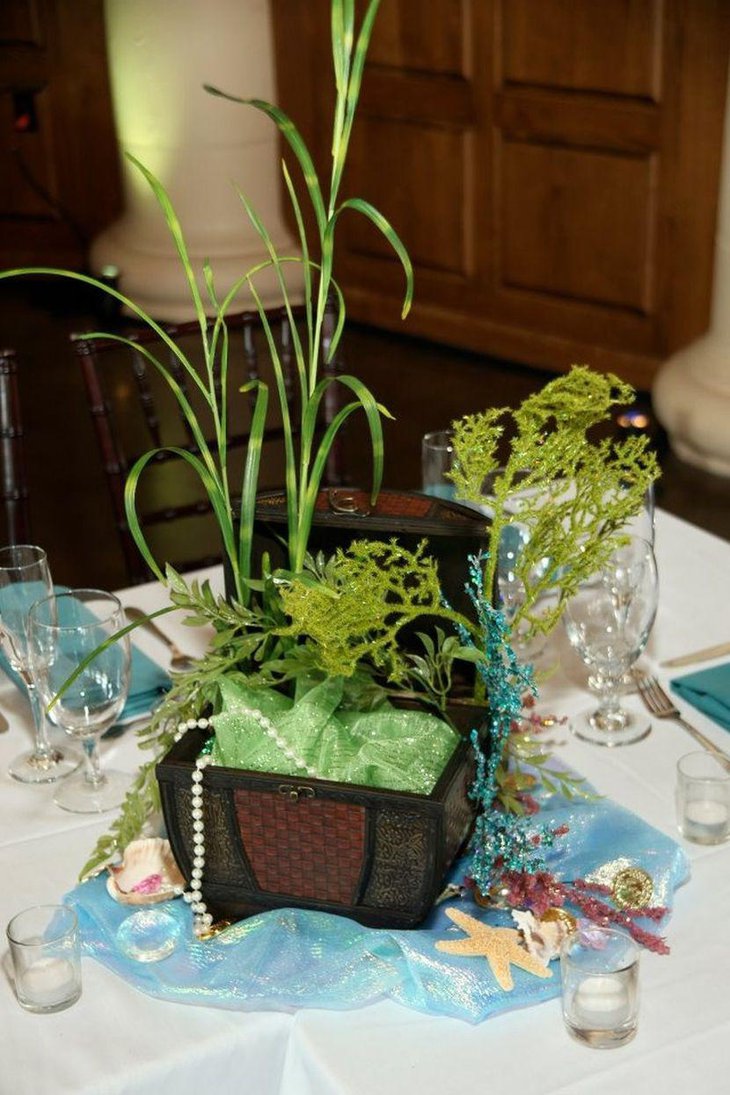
(698, 656)
(662, 706)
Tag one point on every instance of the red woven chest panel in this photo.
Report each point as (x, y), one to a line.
(311, 848)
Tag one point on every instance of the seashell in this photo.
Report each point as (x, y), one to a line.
(147, 874)
(542, 938)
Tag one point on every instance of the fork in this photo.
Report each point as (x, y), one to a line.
(661, 706)
(178, 658)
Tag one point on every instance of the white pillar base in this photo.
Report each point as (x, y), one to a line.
(199, 147)
(154, 280)
(691, 397)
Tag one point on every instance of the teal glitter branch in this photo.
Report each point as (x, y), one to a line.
(501, 841)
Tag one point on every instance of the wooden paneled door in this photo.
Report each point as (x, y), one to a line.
(552, 166)
(59, 169)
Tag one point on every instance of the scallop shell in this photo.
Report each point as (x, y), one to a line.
(147, 874)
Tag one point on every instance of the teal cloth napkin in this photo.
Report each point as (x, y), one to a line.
(148, 683)
(708, 691)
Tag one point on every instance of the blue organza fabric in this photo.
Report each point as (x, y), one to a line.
(294, 958)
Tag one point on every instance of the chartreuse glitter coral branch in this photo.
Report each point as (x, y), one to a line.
(373, 590)
(571, 495)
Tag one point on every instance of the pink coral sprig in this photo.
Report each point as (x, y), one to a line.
(541, 891)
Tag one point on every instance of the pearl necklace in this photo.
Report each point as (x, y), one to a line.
(202, 919)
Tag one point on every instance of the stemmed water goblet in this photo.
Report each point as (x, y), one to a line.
(78, 633)
(642, 524)
(608, 622)
(24, 578)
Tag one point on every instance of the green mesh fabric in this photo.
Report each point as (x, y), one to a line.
(389, 748)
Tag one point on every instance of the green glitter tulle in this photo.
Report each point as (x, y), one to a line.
(389, 748)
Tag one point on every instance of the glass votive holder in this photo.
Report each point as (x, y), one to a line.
(437, 456)
(44, 948)
(703, 799)
(600, 987)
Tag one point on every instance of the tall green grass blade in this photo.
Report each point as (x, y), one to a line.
(245, 281)
(339, 322)
(380, 222)
(269, 244)
(126, 302)
(210, 283)
(221, 356)
(306, 265)
(126, 630)
(250, 480)
(212, 490)
(309, 498)
(343, 25)
(341, 145)
(175, 229)
(175, 388)
(294, 139)
(292, 492)
(325, 278)
(373, 411)
(183, 402)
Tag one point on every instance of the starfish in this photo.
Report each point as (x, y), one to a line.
(500, 946)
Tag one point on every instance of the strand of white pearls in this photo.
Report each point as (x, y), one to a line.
(271, 732)
(202, 919)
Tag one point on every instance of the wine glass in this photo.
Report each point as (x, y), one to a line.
(514, 582)
(608, 622)
(437, 459)
(24, 578)
(642, 524)
(514, 586)
(67, 633)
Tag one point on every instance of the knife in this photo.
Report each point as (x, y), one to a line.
(699, 656)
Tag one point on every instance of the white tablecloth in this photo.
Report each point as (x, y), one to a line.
(117, 1040)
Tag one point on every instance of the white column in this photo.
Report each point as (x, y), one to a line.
(161, 52)
(691, 393)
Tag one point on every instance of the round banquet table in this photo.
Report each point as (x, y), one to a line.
(117, 1040)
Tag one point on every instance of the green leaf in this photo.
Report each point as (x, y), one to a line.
(306, 265)
(173, 224)
(294, 139)
(212, 488)
(250, 482)
(393, 239)
(343, 126)
(373, 412)
(296, 341)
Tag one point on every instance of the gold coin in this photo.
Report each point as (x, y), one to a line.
(632, 888)
(554, 915)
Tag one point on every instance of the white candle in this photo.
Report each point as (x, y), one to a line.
(48, 982)
(706, 819)
(601, 1002)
